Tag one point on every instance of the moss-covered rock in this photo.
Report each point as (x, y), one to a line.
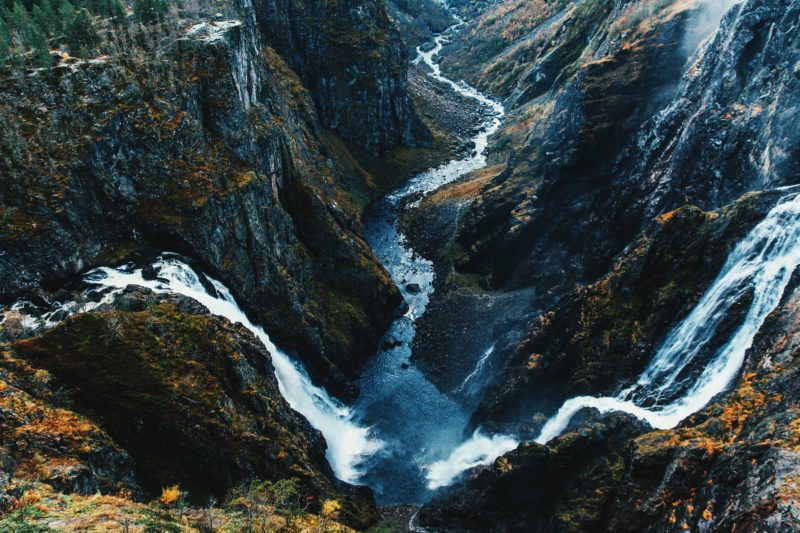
(190, 397)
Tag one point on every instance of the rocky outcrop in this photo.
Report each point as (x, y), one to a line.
(190, 397)
(44, 442)
(731, 467)
(565, 486)
(600, 337)
(609, 134)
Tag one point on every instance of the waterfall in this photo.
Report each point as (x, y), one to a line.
(761, 265)
(477, 370)
(478, 450)
(348, 443)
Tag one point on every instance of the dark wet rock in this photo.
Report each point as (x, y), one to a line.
(390, 343)
(413, 288)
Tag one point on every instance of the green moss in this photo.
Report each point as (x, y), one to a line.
(165, 372)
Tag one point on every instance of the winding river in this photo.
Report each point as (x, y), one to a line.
(422, 429)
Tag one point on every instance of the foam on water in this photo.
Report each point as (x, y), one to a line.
(480, 449)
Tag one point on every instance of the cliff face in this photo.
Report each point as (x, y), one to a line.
(730, 466)
(627, 139)
(349, 54)
(419, 20)
(610, 127)
(201, 138)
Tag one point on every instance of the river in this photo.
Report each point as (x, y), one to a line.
(422, 429)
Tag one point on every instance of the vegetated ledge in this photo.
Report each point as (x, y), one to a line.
(153, 392)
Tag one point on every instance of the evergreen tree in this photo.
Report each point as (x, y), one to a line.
(66, 12)
(80, 33)
(45, 17)
(40, 48)
(5, 42)
(21, 25)
(150, 11)
(110, 9)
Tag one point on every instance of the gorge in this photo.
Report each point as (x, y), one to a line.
(402, 266)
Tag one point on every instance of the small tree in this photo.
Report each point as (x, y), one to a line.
(285, 495)
(170, 496)
(330, 512)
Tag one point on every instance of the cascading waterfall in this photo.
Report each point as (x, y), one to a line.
(760, 266)
(348, 442)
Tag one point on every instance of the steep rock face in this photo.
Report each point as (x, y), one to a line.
(349, 54)
(593, 156)
(214, 150)
(192, 398)
(419, 20)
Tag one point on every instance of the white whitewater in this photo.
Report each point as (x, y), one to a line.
(760, 267)
(480, 449)
(348, 443)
